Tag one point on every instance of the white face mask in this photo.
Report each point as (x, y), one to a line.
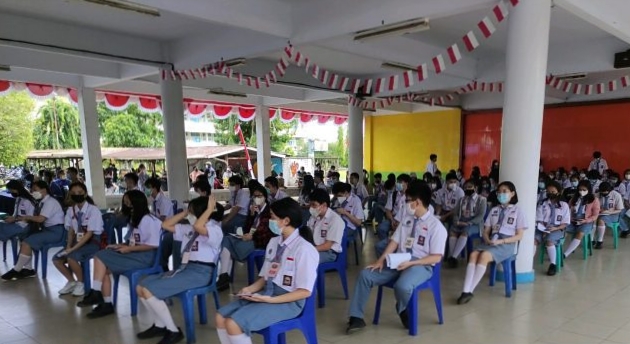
(314, 212)
(259, 201)
(410, 210)
(583, 193)
(36, 195)
(191, 219)
(452, 186)
(341, 199)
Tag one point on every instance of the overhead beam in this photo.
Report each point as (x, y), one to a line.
(608, 15)
(41, 77)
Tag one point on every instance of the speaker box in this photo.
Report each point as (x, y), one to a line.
(622, 59)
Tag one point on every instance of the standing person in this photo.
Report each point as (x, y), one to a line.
(210, 173)
(84, 224)
(142, 176)
(24, 206)
(468, 218)
(271, 183)
(318, 169)
(419, 234)
(611, 206)
(432, 165)
(328, 227)
(503, 230)
(598, 163)
(194, 174)
(287, 279)
(584, 212)
(238, 206)
(552, 218)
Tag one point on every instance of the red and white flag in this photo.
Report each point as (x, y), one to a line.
(625, 81)
(486, 27)
(380, 85)
(343, 84)
(173, 77)
(500, 12)
(450, 97)
(267, 79)
(438, 64)
(577, 88)
(567, 87)
(298, 58)
(453, 53)
(470, 41)
(588, 89)
(333, 81)
(280, 69)
(163, 72)
(368, 86)
(257, 82)
(557, 83)
(273, 76)
(356, 85)
(423, 72)
(408, 78)
(514, 2)
(307, 64)
(249, 81)
(382, 104)
(239, 78)
(324, 77)
(288, 50)
(315, 71)
(393, 83)
(601, 88)
(483, 87)
(612, 86)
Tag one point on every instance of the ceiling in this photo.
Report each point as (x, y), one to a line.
(74, 43)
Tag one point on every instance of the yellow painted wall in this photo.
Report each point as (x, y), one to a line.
(402, 143)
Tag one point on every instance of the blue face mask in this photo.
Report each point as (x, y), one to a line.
(541, 185)
(399, 187)
(274, 228)
(574, 184)
(503, 198)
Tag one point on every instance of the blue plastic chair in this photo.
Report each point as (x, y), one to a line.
(509, 274)
(108, 228)
(174, 203)
(187, 300)
(254, 259)
(44, 253)
(559, 254)
(134, 277)
(412, 307)
(305, 322)
(338, 265)
(352, 240)
(14, 249)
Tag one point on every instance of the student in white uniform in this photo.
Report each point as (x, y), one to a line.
(584, 212)
(432, 165)
(46, 227)
(624, 190)
(395, 202)
(201, 240)
(348, 206)
(611, 203)
(594, 178)
(359, 188)
(598, 163)
(131, 182)
(552, 218)
(319, 181)
(271, 183)
(287, 279)
(419, 234)
(238, 204)
(542, 189)
(467, 220)
(447, 199)
(24, 206)
(84, 224)
(162, 208)
(503, 230)
(328, 227)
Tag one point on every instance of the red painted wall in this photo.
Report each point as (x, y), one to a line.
(570, 135)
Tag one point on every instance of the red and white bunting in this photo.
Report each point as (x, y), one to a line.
(367, 86)
(393, 83)
(577, 89)
(453, 53)
(343, 84)
(423, 72)
(514, 2)
(487, 27)
(567, 87)
(470, 41)
(588, 90)
(500, 12)
(601, 88)
(408, 78)
(356, 85)
(438, 64)
(625, 81)
(332, 83)
(612, 86)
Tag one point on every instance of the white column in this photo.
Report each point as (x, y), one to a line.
(91, 143)
(175, 139)
(263, 145)
(355, 140)
(526, 60)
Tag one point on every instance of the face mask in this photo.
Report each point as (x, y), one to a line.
(452, 186)
(582, 176)
(410, 209)
(583, 193)
(341, 199)
(274, 228)
(574, 184)
(268, 191)
(593, 181)
(15, 194)
(77, 198)
(147, 192)
(541, 185)
(314, 212)
(191, 219)
(614, 181)
(399, 187)
(469, 192)
(553, 196)
(503, 198)
(433, 186)
(259, 201)
(232, 188)
(627, 176)
(37, 195)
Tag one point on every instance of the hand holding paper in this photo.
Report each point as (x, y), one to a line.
(395, 259)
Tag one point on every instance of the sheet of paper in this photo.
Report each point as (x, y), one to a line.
(395, 259)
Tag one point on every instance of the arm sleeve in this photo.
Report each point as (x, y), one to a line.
(481, 211)
(437, 242)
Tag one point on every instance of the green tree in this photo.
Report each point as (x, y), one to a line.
(280, 133)
(339, 148)
(57, 126)
(130, 128)
(16, 136)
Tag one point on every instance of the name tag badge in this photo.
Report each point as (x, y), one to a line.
(22, 212)
(290, 264)
(559, 218)
(287, 280)
(185, 257)
(510, 221)
(195, 246)
(273, 270)
(421, 239)
(409, 243)
(324, 232)
(80, 236)
(453, 201)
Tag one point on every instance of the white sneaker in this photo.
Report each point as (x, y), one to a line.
(69, 287)
(79, 289)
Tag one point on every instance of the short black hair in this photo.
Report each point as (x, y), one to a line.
(320, 196)
(273, 181)
(378, 176)
(202, 185)
(391, 176)
(236, 180)
(451, 176)
(554, 184)
(153, 183)
(404, 178)
(132, 176)
(433, 156)
(354, 175)
(341, 187)
(419, 190)
(389, 184)
(605, 187)
(597, 154)
(593, 174)
(319, 175)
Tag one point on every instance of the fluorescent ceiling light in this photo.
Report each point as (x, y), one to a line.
(221, 92)
(572, 76)
(127, 6)
(397, 66)
(395, 29)
(5, 68)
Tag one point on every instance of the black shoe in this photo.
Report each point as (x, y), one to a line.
(355, 324)
(152, 332)
(224, 282)
(552, 270)
(593, 243)
(453, 263)
(26, 273)
(92, 298)
(598, 245)
(624, 234)
(11, 275)
(172, 337)
(464, 298)
(404, 318)
(101, 310)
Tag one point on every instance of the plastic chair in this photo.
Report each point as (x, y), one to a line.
(305, 322)
(559, 254)
(412, 307)
(134, 277)
(44, 253)
(187, 300)
(587, 245)
(615, 231)
(338, 265)
(109, 220)
(14, 250)
(174, 202)
(352, 239)
(256, 259)
(509, 274)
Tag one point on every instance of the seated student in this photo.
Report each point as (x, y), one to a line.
(569, 192)
(503, 230)
(201, 241)
(162, 208)
(613, 179)
(484, 188)
(308, 185)
(131, 182)
(611, 204)
(202, 187)
(84, 224)
(436, 185)
(24, 206)
(584, 212)
(328, 227)
(447, 199)
(395, 202)
(542, 189)
(238, 206)
(138, 253)
(624, 190)
(358, 189)
(45, 227)
(271, 183)
(423, 236)
(467, 220)
(256, 235)
(287, 279)
(348, 206)
(319, 181)
(595, 179)
(552, 217)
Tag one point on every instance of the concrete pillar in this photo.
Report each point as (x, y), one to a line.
(526, 61)
(355, 140)
(263, 146)
(175, 139)
(91, 143)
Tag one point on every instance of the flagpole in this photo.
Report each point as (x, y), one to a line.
(237, 130)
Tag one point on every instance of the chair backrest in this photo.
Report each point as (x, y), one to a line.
(174, 202)
(109, 220)
(158, 254)
(343, 256)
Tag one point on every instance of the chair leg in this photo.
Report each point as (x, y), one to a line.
(437, 298)
(115, 288)
(87, 280)
(133, 296)
(493, 273)
(4, 251)
(310, 333)
(321, 289)
(250, 270)
(189, 316)
(282, 338)
(14, 247)
(412, 312)
(203, 311)
(615, 231)
(377, 307)
(541, 255)
(36, 258)
(344, 282)
(507, 279)
(513, 266)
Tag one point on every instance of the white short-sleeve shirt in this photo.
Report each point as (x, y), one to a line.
(161, 206)
(353, 206)
(241, 199)
(328, 228)
(279, 195)
(91, 219)
(513, 219)
(448, 199)
(561, 212)
(51, 210)
(430, 237)
(624, 189)
(298, 263)
(148, 232)
(23, 207)
(361, 191)
(614, 201)
(400, 200)
(205, 248)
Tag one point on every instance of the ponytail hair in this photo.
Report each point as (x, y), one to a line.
(289, 208)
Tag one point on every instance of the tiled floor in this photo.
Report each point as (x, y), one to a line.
(588, 302)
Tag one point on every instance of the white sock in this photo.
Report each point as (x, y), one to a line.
(575, 243)
(240, 339)
(480, 270)
(107, 299)
(459, 247)
(551, 251)
(226, 261)
(21, 263)
(160, 309)
(224, 338)
(97, 285)
(468, 280)
(451, 245)
(151, 318)
(600, 233)
(29, 263)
